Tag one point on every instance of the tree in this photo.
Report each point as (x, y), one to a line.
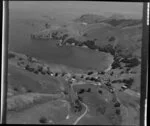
(90, 72)
(43, 72)
(43, 120)
(39, 68)
(27, 67)
(29, 58)
(72, 40)
(16, 89)
(115, 64)
(63, 74)
(100, 91)
(133, 62)
(89, 90)
(29, 90)
(55, 35)
(82, 76)
(90, 44)
(117, 104)
(64, 37)
(80, 98)
(47, 25)
(112, 38)
(85, 34)
(81, 91)
(109, 48)
(128, 82)
(118, 111)
(10, 55)
(36, 71)
(77, 106)
(56, 74)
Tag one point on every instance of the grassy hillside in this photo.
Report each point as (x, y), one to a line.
(29, 82)
(33, 87)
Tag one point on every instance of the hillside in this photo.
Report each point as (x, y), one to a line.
(53, 93)
(46, 88)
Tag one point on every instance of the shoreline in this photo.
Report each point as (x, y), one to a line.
(68, 67)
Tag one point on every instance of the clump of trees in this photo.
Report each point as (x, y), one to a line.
(29, 90)
(109, 49)
(20, 58)
(85, 35)
(81, 91)
(90, 72)
(90, 44)
(76, 105)
(123, 22)
(112, 38)
(89, 90)
(92, 79)
(117, 104)
(132, 62)
(11, 55)
(63, 74)
(48, 71)
(38, 69)
(115, 64)
(71, 41)
(43, 120)
(118, 111)
(80, 98)
(27, 67)
(82, 76)
(101, 72)
(116, 81)
(100, 91)
(128, 82)
(43, 72)
(64, 37)
(55, 35)
(47, 25)
(16, 89)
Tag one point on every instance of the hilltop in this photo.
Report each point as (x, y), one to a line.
(90, 18)
(116, 20)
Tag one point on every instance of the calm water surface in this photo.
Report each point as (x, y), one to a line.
(19, 41)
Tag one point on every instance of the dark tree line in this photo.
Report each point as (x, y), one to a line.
(76, 105)
(123, 22)
(128, 82)
(10, 55)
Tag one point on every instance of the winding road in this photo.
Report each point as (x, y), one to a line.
(80, 117)
(86, 108)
